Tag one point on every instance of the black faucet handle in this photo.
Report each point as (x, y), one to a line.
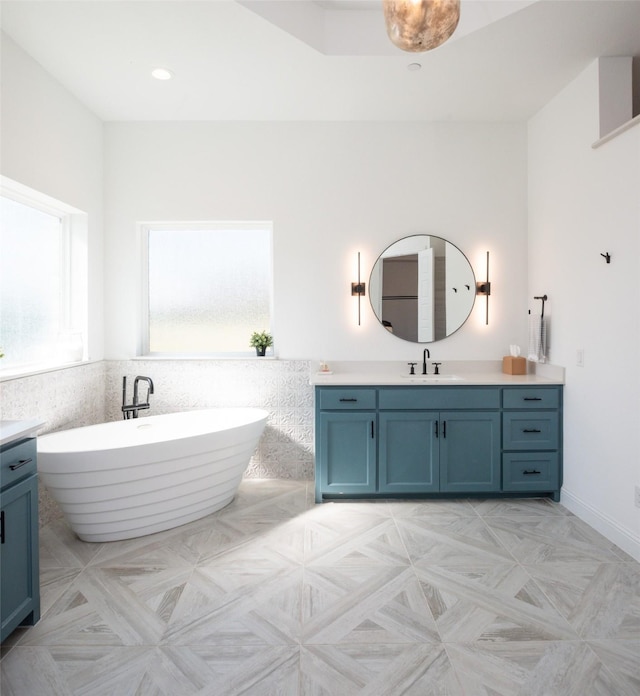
(412, 371)
(437, 366)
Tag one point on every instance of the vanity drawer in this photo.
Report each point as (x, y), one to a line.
(346, 398)
(530, 471)
(17, 461)
(526, 430)
(523, 397)
(439, 398)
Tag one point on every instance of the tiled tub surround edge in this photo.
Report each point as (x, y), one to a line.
(92, 393)
(286, 449)
(63, 399)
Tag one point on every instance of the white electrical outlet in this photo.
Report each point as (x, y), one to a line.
(638, 496)
(580, 357)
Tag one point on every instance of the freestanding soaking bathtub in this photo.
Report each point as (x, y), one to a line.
(134, 477)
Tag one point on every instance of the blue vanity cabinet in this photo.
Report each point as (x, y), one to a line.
(19, 561)
(431, 451)
(449, 440)
(532, 440)
(346, 442)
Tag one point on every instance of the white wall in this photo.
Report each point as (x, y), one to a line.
(331, 189)
(54, 144)
(584, 202)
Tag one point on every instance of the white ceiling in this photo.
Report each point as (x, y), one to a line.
(314, 59)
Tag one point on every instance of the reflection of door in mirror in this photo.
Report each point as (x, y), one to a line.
(413, 286)
(399, 299)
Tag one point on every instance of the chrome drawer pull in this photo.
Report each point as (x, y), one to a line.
(21, 462)
(526, 472)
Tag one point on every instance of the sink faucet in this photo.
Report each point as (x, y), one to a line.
(425, 355)
(131, 410)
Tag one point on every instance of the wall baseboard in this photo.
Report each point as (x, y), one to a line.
(621, 537)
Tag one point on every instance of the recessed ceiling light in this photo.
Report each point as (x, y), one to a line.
(162, 74)
(414, 66)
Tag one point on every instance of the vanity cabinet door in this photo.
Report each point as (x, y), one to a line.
(469, 451)
(347, 453)
(409, 453)
(19, 581)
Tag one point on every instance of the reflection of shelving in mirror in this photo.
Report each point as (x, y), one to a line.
(422, 288)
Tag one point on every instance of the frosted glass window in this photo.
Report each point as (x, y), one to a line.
(209, 288)
(43, 280)
(32, 283)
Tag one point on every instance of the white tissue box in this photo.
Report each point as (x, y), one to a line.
(514, 366)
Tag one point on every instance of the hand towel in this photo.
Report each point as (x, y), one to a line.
(537, 339)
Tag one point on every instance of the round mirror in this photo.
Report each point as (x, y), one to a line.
(422, 288)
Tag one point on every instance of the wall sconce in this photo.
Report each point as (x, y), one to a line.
(483, 288)
(358, 289)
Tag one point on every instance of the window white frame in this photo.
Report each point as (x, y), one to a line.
(73, 300)
(144, 229)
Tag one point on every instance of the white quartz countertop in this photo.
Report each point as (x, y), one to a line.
(499, 379)
(452, 374)
(11, 430)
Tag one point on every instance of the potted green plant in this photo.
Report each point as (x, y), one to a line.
(261, 340)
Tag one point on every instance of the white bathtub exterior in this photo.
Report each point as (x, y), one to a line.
(129, 478)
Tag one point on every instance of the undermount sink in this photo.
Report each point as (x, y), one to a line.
(432, 378)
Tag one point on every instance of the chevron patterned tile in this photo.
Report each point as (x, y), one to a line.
(600, 600)
(494, 603)
(365, 604)
(415, 669)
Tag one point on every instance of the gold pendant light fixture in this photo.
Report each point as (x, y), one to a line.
(420, 25)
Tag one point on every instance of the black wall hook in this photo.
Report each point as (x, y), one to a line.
(606, 256)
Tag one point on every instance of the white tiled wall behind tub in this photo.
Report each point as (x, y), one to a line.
(281, 387)
(66, 398)
(92, 393)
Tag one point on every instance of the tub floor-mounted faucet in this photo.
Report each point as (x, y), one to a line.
(131, 410)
